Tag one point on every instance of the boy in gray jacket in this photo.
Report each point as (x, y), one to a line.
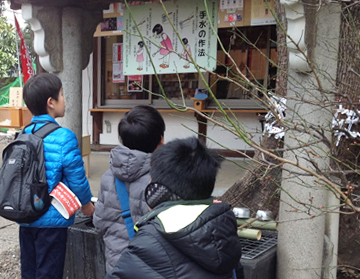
(186, 235)
(141, 132)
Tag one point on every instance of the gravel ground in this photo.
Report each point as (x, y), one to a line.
(9, 250)
(10, 263)
(9, 237)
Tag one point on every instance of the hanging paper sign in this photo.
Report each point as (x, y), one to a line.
(118, 74)
(117, 52)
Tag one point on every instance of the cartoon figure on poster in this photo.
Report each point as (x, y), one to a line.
(186, 54)
(186, 21)
(140, 56)
(140, 24)
(166, 44)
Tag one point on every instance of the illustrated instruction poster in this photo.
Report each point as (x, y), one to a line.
(194, 22)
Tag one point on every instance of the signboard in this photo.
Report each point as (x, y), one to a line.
(192, 21)
(134, 83)
(261, 12)
(231, 4)
(234, 13)
(16, 97)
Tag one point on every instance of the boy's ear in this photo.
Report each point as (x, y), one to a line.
(161, 142)
(49, 103)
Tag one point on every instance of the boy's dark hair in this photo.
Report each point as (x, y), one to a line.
(38, 89)
(186, 167)
(142, 128)
(185, 40)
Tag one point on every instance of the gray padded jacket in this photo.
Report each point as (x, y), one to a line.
(132, 167)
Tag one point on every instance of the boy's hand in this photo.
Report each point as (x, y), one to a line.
(88, 209)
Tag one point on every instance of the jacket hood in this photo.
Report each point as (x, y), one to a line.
(203, 231)
(127, 164)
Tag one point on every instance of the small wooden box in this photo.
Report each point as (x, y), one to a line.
(10, 117)
(199, 104)
(26, 116)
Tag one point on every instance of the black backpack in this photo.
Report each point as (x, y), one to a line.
(24, 195)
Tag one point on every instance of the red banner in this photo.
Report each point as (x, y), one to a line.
(27, 67)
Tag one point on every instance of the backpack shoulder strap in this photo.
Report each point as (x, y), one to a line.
(45, 130)
(125, 207)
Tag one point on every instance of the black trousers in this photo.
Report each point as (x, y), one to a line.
(42, 252)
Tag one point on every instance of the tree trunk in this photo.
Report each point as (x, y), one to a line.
(258, 189)
(348, 81)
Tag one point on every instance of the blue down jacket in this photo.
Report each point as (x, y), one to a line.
(182, 240)
(63, 162)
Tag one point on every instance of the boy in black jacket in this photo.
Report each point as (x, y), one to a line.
(185, 235)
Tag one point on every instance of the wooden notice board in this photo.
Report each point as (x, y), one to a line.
(16, 97)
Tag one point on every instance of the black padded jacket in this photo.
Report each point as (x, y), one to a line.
(183, 240)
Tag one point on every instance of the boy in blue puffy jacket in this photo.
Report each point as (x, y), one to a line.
(43, 242)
